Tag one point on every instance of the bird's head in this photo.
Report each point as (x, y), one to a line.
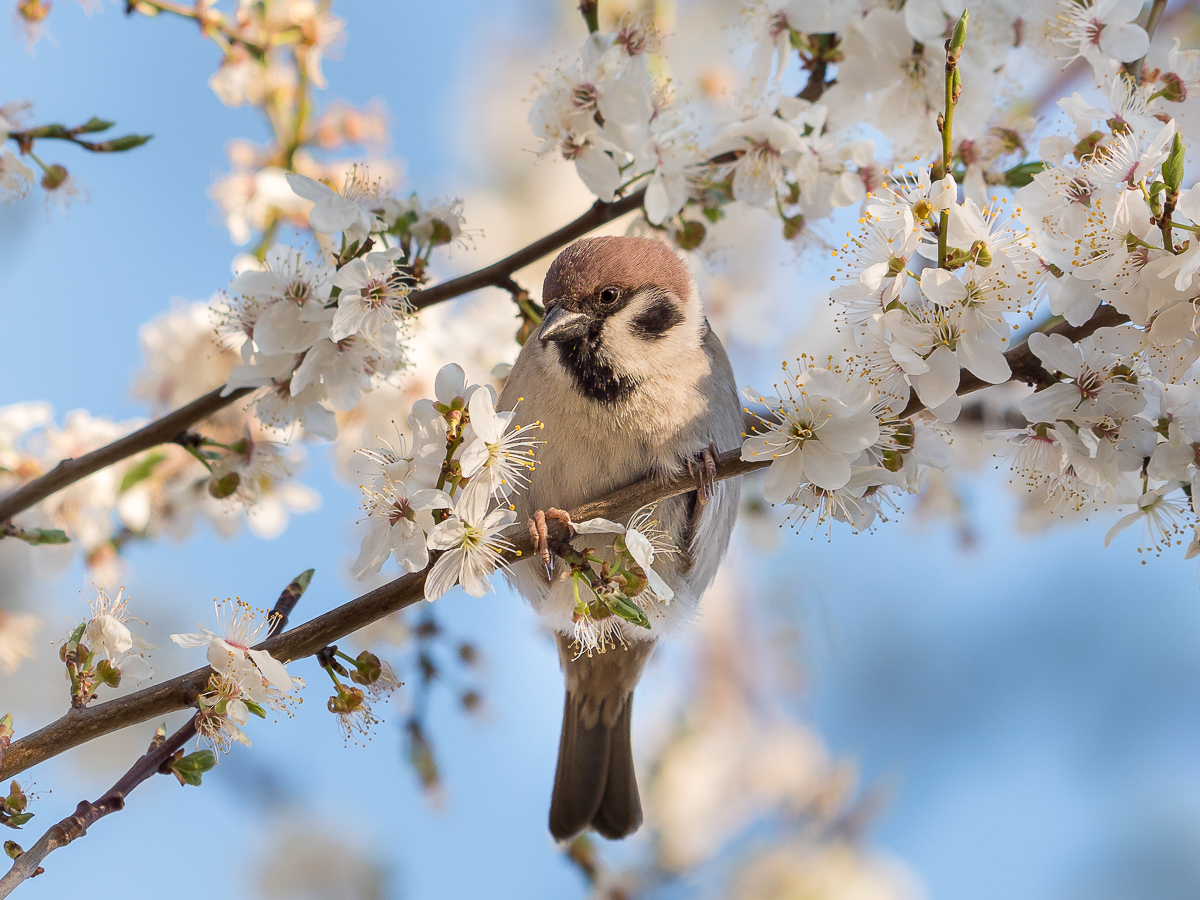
(619, 311)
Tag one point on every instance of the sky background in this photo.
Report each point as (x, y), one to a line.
(1028, 706)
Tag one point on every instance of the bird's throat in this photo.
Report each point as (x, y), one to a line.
(592, 372)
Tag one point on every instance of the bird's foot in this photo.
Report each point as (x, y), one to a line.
(703, 467)
(540, 536)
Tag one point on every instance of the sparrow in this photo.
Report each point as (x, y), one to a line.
(629, 382)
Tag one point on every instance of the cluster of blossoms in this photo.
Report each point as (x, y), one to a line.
(620, 124)
(1102, 231)
(625, 588)
(450, 492)
(233, 472)
(838, 449)
(244, 680)
(319, 331)
(103, 650)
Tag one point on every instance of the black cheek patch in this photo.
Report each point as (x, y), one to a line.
(652, 323)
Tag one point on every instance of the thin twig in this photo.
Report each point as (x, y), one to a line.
(175, 424)
(1156, 13)
(88, 813)
(498, 273)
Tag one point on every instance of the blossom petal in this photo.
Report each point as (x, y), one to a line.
(202, 638)
(784, 477)
(443, 576)
(272, 669)
(937, 385)
(825, 468)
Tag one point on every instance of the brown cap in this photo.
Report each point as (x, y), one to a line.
(628, 262)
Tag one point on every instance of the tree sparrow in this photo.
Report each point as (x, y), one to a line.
(629, 382)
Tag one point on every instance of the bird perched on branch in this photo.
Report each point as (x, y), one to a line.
(629, 382)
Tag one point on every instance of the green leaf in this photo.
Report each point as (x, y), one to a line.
(1019, 176)
(92, 125)
(1172, 170)
(627, 610)
(191, 768)
(18, 820)
(959, 38)
(714, 214)
(121, 144)
(77, 634)
(141, 470)
(35, 536)
(255, 708)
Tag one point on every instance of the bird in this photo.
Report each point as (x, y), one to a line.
(629, 382)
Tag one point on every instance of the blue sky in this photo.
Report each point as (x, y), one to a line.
(1028, 706)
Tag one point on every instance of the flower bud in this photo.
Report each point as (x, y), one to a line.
(108, 674)
(12, 849)
(224, 486)
(367, 668)
(54, 177)
(33, 11)
(690, 236)
(346, 700)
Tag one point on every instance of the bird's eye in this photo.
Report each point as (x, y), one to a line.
(609, 296)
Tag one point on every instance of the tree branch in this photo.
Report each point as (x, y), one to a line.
(498, 274)
(88, 813)
(173, 424)
(160, 431)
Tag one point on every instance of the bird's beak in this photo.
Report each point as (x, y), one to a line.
(562, 324)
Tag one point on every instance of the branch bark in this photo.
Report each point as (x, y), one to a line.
(87, 813)
(174, 424)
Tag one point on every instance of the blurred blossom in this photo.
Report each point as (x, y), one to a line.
(304, 863)
(833, 871)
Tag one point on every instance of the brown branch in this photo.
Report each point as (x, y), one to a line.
(160, 431)
(175, 424)
(87, 813)
(498, 274)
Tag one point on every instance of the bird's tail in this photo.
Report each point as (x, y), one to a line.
(595, 784)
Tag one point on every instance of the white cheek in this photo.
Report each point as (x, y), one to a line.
(633, 355)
